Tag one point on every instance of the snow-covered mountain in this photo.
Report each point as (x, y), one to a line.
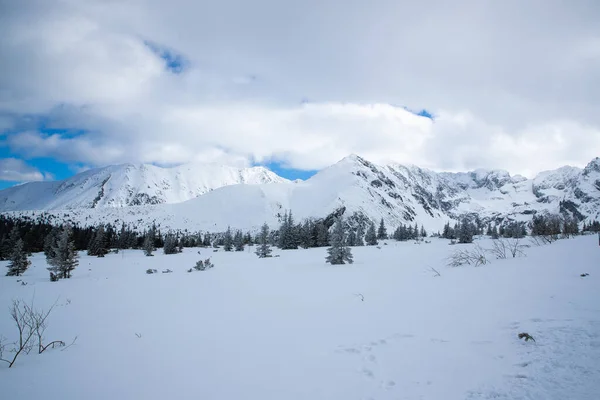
(130, 185)
(398, 193)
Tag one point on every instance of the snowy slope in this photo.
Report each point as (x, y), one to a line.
(129, 185)
(294, 328)
(397, 193)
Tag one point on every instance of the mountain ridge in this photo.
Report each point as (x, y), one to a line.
(245, 198)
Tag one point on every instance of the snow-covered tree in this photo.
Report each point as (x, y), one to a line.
(148, 245)
(98, 245)
(228, 240)
(360, 234)
(382, 231)
(18, 260)
(65, 259)
(371, 236)
(339, 252)
(466, 231)
(351, 239)
(322, 234)
(263, 250)
(238, 241)
(170, 246)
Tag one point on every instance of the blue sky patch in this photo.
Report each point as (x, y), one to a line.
(174, 62)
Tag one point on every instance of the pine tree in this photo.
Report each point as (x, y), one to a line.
(371, 236)
(170, 246)
(423, 231)
(306, 235)
(228, 240)
(148, 245)
(339, 252)
(382, 231)
(18, 260)
(360, 234)
(322, 234)
(351, 239)
(206, 241)
(263, 250)
(238, 241)
(466, 232)
(65, 258)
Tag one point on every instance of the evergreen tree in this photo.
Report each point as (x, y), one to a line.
(228, 240)
(351, 240)
(18, 260)
(65, 258)
(339, 252)
(206, 241)
(170, 246)
(466, 231)
(495, 234)
(148, 245)
(263, 250)
(423, 231)
(306, 235)
(382, 231)
(238, 241)
(322, 234)
(98, 245)
(50, 242)
(360, 234)
(371, 236)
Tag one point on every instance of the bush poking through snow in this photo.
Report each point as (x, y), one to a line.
(151, 271)
(503, 248)
(526, 336)
(31, 325)
(475, 256)
(167, 271)
(203, 265)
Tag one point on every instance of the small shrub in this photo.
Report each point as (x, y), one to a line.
(203, 265)
(475, 256)
(167, 271)
(151, 271)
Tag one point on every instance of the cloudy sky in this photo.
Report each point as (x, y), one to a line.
(297, 85)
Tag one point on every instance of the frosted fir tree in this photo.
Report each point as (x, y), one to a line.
(339, 252)
(18, 260)
(65, 258)
(263, 250)
(170, 246)
(466, 231)
(382, 231)
(148, 245)
(238, 241)
(371, 236)
(228, 240)
(360, 234)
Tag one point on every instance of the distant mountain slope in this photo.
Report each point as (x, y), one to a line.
(130, 185)
(399, 194)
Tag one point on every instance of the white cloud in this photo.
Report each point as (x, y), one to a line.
(15, 170)
(511, 83)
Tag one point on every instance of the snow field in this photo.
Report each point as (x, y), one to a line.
(294, 327)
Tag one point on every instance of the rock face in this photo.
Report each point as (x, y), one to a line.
(213, 197)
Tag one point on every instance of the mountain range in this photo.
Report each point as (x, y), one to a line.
(212, 197)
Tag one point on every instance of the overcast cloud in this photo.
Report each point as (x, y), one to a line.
(512, 84)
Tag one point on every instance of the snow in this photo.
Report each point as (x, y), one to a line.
(294, 327)
(212, 197)
(128, 184)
